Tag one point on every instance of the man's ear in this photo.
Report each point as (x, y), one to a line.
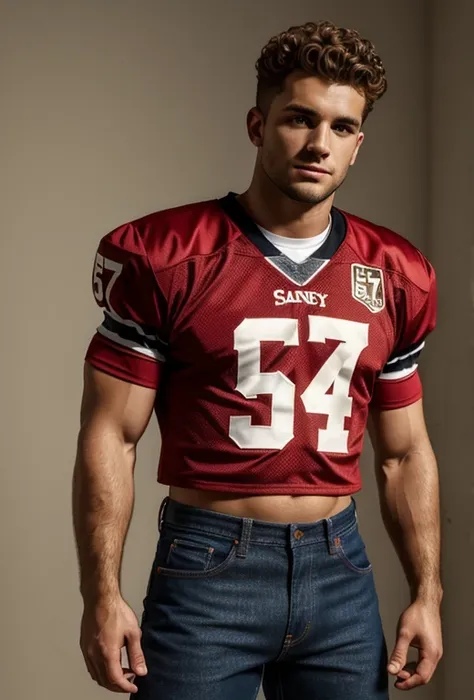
(255, 126)
(360, 140)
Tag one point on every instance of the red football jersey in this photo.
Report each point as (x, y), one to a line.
(264, 368)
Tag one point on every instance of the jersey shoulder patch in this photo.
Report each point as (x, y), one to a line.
(380, 247)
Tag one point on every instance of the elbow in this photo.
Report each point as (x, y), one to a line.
(391, 468)
(398, 464)
(96, 431)
(390, 464)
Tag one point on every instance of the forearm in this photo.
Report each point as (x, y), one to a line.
(103, 494)
(409, 499)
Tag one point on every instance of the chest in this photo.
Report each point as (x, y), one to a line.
(246, 312)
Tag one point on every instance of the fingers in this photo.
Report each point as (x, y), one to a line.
(398, 658)
(135, 653)
(418, 675)
(113, 675)
(105, 668)
(407, 671)
(91, 668)
(107, 629)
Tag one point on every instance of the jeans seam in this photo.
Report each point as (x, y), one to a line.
(284, 650)
(295, 642)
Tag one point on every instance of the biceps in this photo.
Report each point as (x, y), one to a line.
(395, 433)
(115, 405)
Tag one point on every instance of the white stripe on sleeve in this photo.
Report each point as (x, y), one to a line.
(415, 351)
(148, 352)
(401, 374)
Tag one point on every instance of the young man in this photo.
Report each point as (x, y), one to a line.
(264, 329)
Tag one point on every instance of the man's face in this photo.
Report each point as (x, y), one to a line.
(310, 124)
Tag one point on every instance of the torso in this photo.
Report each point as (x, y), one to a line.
(264, 368)
(281, 508)
(269, 370)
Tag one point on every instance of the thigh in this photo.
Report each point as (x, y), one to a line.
(345, 656)
(160, 685)
(199, 638)
(335, 676)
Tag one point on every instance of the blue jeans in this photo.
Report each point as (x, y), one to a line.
(232, 602)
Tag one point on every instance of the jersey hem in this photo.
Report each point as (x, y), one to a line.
(119, 373)
(266, 489)
(401, 403)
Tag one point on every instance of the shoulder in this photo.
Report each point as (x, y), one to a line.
(381, 247)
(170, 236)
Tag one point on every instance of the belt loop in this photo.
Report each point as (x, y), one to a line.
(161, 514)
(332, 541)
(355, 509)
(244, 542)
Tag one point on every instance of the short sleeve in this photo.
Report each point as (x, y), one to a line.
(128, 344)
(399, 383)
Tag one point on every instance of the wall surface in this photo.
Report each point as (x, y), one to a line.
(113, 110)
(449, 375)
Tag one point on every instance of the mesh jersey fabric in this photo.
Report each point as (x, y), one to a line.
(265, 369)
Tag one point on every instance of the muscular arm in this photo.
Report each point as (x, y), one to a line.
(114, 415)
(407, 478)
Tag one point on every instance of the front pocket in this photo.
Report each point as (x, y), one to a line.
(202, 557)
(351, 550)
(189, 555)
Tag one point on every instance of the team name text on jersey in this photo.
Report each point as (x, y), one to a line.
(299, 296)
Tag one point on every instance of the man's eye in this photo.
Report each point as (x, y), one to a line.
(342, 128)
(300, 121)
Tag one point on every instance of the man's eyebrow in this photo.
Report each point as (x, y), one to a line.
(309, 112)
(351, 121)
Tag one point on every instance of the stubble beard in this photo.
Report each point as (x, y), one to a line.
(298, 194)
(305, 194)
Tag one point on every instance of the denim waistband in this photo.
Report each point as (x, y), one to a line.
(252, 530)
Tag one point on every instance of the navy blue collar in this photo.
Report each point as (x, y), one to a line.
(248, 227)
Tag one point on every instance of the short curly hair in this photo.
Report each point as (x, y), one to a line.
(333, 53)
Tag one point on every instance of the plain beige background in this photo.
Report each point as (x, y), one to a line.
(112, 109)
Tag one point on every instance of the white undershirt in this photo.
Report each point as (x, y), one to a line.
(297, 249)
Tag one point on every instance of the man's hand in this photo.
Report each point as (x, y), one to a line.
(106, 628)
(419, 627)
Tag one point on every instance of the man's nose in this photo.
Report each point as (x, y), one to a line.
(319, 141)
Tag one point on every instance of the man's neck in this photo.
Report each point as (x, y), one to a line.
(279, 214)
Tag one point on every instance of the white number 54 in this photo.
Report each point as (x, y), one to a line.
(337, 372)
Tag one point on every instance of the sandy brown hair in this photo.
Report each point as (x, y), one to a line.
(333, 53)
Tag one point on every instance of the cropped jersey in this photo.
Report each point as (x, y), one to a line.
(265, 368)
